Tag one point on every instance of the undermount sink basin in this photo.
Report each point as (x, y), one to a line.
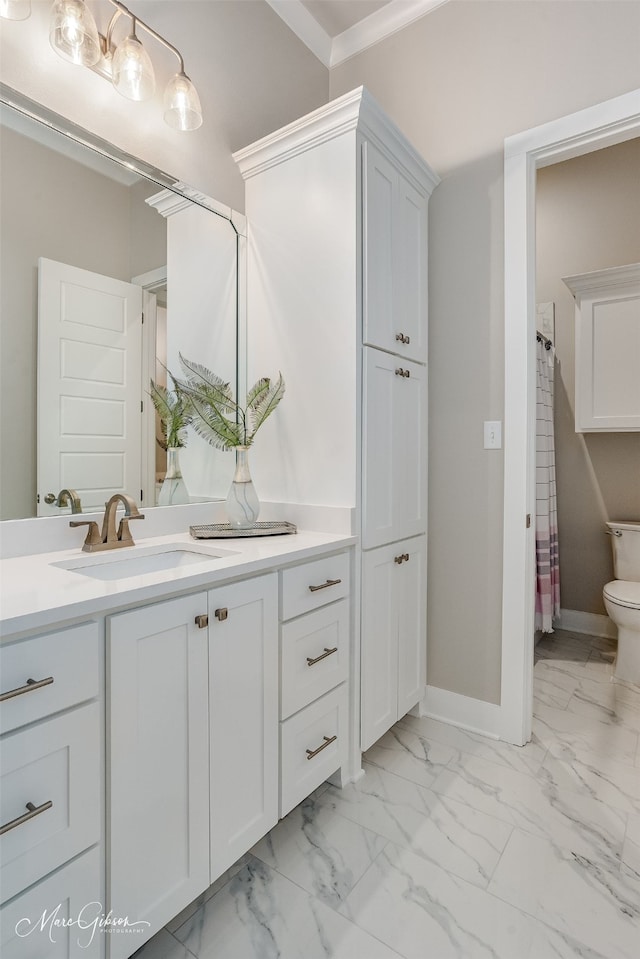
(121, 564)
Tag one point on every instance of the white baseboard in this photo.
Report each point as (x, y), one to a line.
(594, 624)
(457, 710)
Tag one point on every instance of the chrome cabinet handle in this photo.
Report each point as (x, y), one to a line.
(401, 338)
(327, 742)
(329, 582)
(30, 685)
(327, 652)
(401, 372)
(25, 817)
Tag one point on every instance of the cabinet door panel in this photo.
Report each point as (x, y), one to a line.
(379, 644)
(412, 624)
(410, 280)
(379, 493)
(59, 762)
(243, 695)
(72, 892)
(379, 215)
(159, 763)
(410, 451)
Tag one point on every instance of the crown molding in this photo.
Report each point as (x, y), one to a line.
(305, 26)
(332, 51)
(603, 280)
(356, 110)
(378, 26)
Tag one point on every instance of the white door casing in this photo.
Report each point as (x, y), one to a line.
(604, 124)
(89, 385)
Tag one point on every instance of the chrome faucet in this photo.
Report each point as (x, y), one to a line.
(110, 538)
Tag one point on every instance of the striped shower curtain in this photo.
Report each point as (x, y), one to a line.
(547, 562)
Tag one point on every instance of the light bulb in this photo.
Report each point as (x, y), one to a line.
(182, 109)
(73, 33)
(15, 9)
(132, 70)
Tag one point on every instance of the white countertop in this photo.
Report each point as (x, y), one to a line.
(36, 593)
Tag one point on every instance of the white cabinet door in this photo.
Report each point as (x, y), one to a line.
(42, 923)
(395, 449)
(243, 693)
(393, 645)
(394, 218)
(412, 624)
(410, 275)
(159, 763)
(379, 644)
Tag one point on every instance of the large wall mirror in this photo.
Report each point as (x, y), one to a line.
(109, 270)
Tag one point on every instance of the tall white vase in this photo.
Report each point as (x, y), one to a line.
(243, 505)
(173, 491)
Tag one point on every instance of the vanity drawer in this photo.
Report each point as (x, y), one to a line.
(310, 585)
(56, 762)
(68, 659)
(312, 731)
(314, 656)
(61, 896)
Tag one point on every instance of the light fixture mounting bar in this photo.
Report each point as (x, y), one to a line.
(120, 9)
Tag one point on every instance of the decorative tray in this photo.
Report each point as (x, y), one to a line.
(220, 530)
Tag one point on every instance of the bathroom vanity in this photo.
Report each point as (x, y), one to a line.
(175, 715)
(162, 715)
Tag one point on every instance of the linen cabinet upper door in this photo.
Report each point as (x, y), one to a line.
(410, 274)
(379, 225)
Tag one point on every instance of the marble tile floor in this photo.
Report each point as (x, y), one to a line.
(454, 845)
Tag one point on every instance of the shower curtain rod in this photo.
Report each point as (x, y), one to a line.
(543, 339)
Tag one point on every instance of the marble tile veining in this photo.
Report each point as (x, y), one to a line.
(453, 844)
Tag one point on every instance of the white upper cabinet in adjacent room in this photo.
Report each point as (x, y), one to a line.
(607, 349)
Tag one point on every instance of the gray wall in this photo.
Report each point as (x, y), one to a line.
(57, 208)
(587, 218)
(458, 82)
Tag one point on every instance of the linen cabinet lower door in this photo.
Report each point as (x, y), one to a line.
(158, 764)
(412, 623)
(243, 695)
(379, 649)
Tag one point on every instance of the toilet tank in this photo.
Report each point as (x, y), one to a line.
(625, 542)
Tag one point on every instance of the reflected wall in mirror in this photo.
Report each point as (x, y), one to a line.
(106, 275)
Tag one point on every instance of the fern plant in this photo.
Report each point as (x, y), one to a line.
(215, 415)
(174, 412)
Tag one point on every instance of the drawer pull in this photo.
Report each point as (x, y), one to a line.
(329, 582)
(401, 372)
(27, 688)
(33, 812)
(327, 652)
(401, 338)
(402, 558)
(327, 742)
(221, 614)
(202, 621)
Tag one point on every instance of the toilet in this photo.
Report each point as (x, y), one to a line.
(622, 598)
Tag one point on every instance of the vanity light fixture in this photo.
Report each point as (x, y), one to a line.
(74, 36)
(15, 9)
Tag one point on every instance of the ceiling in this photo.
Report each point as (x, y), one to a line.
(335, 30)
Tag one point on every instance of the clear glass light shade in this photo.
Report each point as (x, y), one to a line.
(15, 9)
(73, 33)
(182, 110)
(132, 70)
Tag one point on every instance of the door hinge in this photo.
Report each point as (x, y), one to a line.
(142, 318)
(142, 406)
(528, 520)
(141, 495)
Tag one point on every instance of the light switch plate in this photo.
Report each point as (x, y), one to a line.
(493, 434)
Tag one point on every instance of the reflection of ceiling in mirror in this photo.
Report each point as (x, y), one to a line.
(66, 146)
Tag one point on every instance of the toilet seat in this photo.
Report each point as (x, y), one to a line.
(623, 593)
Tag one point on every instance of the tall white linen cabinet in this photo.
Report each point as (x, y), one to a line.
(337, 300)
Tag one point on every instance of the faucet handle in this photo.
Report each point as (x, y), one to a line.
(93, 533)
(124, 533)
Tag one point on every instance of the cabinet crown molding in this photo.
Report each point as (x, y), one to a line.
(356, 110)
(617, 277)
